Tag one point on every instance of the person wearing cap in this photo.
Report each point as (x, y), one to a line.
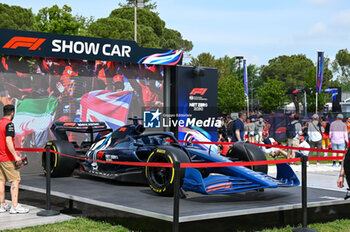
(315, 131)
(338, 136)
(303, 144)
(118, 83)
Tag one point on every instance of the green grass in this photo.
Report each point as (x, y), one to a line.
(75, 225)
(336, 226)
(88, 225)
(311, 162)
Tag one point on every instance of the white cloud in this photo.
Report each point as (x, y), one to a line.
(317, 30)
(342, 18)
(322, 3)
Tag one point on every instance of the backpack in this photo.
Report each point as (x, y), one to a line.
(326, 130)
(291, 131)
(230, 128)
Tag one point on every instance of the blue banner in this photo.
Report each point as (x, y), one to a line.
(319, 77)
(246, 92)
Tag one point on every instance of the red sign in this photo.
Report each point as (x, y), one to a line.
(69, 124)
(200, 91)
(28, 42)
(100, 154)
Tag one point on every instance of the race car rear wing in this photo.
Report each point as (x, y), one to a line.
(59, 129)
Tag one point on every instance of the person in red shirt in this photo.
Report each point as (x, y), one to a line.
(8, 161)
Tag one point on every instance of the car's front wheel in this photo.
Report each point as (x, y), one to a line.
(161, 179)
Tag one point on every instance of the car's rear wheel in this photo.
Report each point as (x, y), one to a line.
(161, 179)
(61, 166)
(248, 152)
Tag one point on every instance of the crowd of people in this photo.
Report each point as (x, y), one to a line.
(252, 129)
(317, 133)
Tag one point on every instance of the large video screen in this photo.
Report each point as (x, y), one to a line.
(45, 90)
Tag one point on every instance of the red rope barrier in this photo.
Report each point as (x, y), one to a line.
(142, 164)
(268, 145)
(325, 158)
(187, 165)
(234, 164)
(31, 149)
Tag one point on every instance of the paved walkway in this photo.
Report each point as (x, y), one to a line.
(16, 221)
(322, 176)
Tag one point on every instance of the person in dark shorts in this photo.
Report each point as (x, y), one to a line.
(8, 160)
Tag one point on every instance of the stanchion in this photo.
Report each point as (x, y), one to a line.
(71, 210)
(304, 197)
(48, 211)
(176, 208)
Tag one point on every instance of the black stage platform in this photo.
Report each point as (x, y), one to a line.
(283, 203)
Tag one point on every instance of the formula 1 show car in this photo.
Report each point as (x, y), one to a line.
(130, 143)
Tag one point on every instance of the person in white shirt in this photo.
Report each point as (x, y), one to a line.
(303, 144)
(315, 130)
(259, 129)
(250, 128)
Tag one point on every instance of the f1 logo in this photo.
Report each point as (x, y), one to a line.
(28, 42)
(200, 91)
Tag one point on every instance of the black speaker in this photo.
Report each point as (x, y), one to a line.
(198, 72)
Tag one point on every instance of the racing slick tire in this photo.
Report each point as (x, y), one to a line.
(61, 166)
(248, 152)
(161, 179)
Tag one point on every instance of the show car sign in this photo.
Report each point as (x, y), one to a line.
(25, 43)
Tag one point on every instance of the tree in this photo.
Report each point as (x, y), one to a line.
(289, 69)
(341, 65)
(204, 59)
(148, 4)
(85, 22)
(118, 28)
(151, 30)
(271, 95)
(296, 71)
(311, 98)
(56, 20)
(16, 17)
(230, 94)
(172, 39)
(342, 62)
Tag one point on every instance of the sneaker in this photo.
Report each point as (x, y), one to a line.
(317, 164)
(18, 209)
(339, 165)
(334, 165)
(4, 208)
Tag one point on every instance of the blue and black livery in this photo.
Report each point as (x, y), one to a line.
(130, 143)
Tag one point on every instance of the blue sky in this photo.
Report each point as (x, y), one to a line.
(256, 29)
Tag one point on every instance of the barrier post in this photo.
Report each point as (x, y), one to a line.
(304, 228)
(176, 207)
(48, 211)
